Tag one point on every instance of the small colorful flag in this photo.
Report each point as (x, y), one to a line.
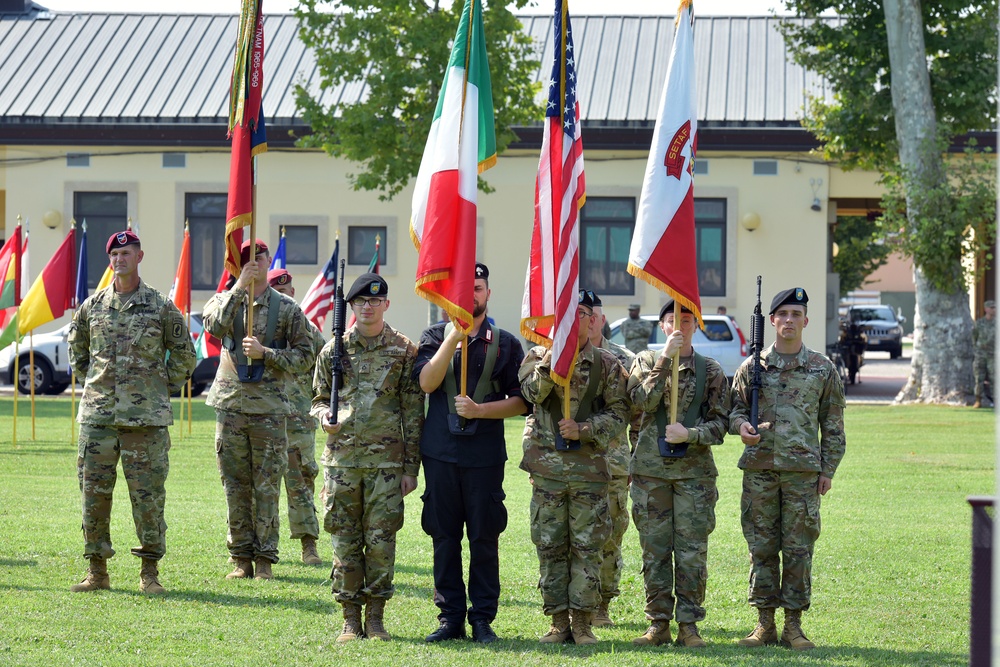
(51, 295)
(180, 292)
(82, 292)
(318, 301)
(280, 259)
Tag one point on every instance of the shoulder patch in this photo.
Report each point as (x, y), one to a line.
(178, 331)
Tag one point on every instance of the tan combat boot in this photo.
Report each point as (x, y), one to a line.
(978, 404)
(687, 635)
(263, 568)
(309, 554)
(792, 635)
(657, 633)
(149, 578)
(765, 632)
(601, 618)
(374, 629)
(96, 579)
(580, 622)
(352, 623)
(242, 570)
(560, 631)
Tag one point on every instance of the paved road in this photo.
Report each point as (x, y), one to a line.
(880, 378)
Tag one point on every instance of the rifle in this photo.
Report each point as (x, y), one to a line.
(756, 346)
(339, 320)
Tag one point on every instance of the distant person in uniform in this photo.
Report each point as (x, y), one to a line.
(133, 349)
(635, 330)
(673, 483)
(787, 463)
(570, 522)
(300, 478)
(983, 345)
(372, 455)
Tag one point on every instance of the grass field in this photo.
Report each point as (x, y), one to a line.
(890, 585)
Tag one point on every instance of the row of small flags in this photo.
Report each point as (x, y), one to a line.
(461, 145)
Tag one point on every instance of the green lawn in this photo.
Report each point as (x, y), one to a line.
(890, 585)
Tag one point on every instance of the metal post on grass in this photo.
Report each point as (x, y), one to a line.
(980, 621)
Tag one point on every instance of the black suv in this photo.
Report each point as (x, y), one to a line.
(882, 327)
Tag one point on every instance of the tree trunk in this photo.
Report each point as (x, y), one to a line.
(940, 371)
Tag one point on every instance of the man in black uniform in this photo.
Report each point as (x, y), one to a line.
(463, 452)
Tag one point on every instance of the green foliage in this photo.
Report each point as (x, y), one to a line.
(963, 223)
(890, 577)
(399, 49)
(861, 251)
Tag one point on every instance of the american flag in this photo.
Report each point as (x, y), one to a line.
(548, 311)
(318, 301)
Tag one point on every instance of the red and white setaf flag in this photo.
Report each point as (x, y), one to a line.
(551, 288)
(663, 249)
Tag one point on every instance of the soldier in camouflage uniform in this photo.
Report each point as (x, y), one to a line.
(983, 342)
(619, 452)
(132, 347)
(635, 330)
(787, 463)
(673, 497)
(569, 476)
(372, 455)
(300, 478)
(251, 400)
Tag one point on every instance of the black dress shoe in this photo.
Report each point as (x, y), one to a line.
(447, 631)
(483, 633)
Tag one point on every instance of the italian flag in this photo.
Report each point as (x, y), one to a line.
(460, 146)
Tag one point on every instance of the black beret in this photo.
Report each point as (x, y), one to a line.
(597, 299)
(668, 307)
(795, 296)
(122, 239)
(482, 272)
(368, 284)
(586, 299)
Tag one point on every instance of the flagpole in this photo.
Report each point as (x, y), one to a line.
(675, 363)
(72, 373)
(465, 365)
(31, 377)
(17, 372)
(189, 383)
(253, 246)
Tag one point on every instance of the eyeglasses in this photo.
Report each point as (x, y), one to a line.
(583, 314)
(360, 301)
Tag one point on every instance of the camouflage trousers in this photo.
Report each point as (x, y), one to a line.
(983, 368)
(779, 511)
(300, 478)
(569, 526)
(143, 453)
(363, 511)
(674, 518)
(611, 555)
(252, 453)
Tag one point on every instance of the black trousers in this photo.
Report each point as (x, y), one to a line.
(457, 500)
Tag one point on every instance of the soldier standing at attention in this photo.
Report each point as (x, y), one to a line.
(787, 466)
(132, 346)
(635, 330)
(673, 482)
(463, 453)
(372, 455)
(983, 342)
(567, 461)
(300, 478)
(619, 452)
(250, 397)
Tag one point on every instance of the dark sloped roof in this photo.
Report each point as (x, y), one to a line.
(137, 78)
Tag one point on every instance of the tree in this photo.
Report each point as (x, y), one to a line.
(908, 78)
(399, 50)
(860, 251)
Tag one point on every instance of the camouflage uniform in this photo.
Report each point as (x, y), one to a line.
(251, 444)
(381, 410)
(673, 499)
(803, 399)
(619, 452)
(983, 341)
(636, 333)
(121, 347)
(300, 478)
(569, 500)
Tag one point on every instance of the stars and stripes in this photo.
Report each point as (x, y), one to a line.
(318, 301)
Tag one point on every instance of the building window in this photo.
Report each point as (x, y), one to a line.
(105, 214)
(206, 216)
(78, 160)
(174, 160)
(302, 244)
(361, 244)
(606, 225)
(765, 167)
(710, 237)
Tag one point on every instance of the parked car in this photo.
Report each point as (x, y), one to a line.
(722, 339)
(52, 372)
(882, 327)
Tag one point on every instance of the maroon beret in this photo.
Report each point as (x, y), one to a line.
(277, 277)
(245, 251)
(122, 239)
